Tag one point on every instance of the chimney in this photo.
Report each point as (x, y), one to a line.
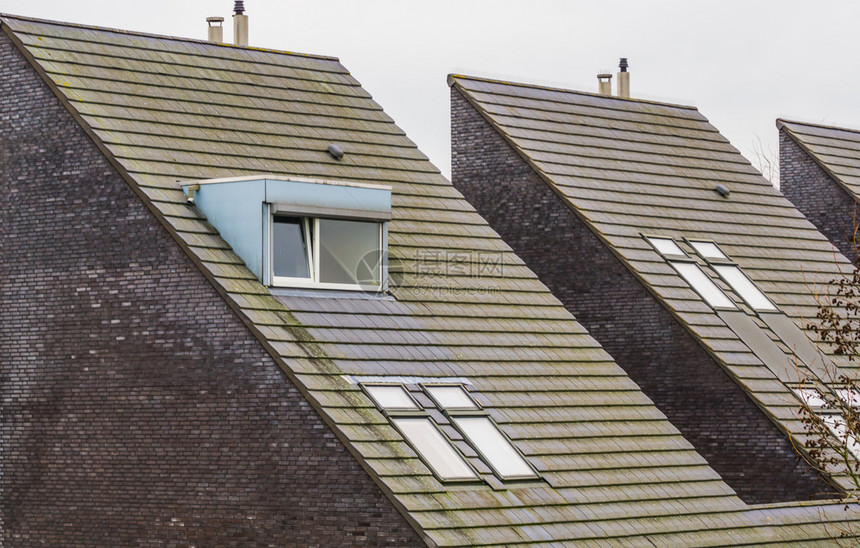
(240, 24)
(216, 29)
(604, 84)
(623, 79)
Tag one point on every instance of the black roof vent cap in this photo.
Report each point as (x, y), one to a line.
(239, 7)
(623, 64)
(722, 190)
(335, 151)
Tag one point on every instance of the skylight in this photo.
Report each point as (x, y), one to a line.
(450, 397)
(390, 396)
(459, 408)
(666, 246)
(832, 417)
(836, 424)
(810, 396)
(709, 291)
(744, 287)
(494, 447)
(421, 432)
(708, 250)
(481, 431)
(424, 436)
(849, 396)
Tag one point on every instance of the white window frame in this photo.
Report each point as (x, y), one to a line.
(697, 245)
(393, 414)
(313, 252)
(652, 241)
(724, 262)
(770, 307)
(476, 411)
(832, 418)
(730, 305)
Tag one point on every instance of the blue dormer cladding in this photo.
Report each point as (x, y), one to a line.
(241, 208)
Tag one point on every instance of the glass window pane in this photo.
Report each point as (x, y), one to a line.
(810, 396)
(494, 446)
(349, 252)
(850, 396)
(708, 250)
(451, 397)
(712, 294)
(289, 248)
(744, 287)
(434, 448)
(666, 246)
(836, 424)
(391, 397)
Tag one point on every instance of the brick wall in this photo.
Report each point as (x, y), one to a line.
(137, 410)
(824, 202)
(694, 392)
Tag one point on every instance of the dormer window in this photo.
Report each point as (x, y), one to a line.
(328, 253)
(301, 233)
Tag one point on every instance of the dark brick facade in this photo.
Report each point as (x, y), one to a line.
(821, 199)
(137, 410)
(694, 392)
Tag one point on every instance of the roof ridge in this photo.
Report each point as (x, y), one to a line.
(782, 121)
(452, 77)
(4, 16)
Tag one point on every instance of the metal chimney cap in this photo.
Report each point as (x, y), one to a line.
(239, 7)
(604, 75)
(622, 64)
(211, 20)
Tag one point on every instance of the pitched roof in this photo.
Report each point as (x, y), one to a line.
(836, 150)
(165, 109)
(633, 167)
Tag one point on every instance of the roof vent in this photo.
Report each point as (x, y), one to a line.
(604, 84)
(240, 24)
(623, 79)
(216, 29)
(722, 190)
(335, 151)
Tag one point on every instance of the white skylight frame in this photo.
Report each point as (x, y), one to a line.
(831, 416)
(311, 229)
(811, 397)
(690, 271)
(703, 285)
(731, 273)
(665, 246)
(481, 432)
(391, 397)
(849, 395)
(744, 287)
(423, 434)
(451, 397)
(835, 422)
(708, 249)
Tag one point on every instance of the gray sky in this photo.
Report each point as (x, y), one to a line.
(743, 64)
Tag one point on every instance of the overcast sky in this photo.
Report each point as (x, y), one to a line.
(742, 63)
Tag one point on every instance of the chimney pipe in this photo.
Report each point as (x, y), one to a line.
(216, 29)
(240, 24)
(623, 79)
(604, 84)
